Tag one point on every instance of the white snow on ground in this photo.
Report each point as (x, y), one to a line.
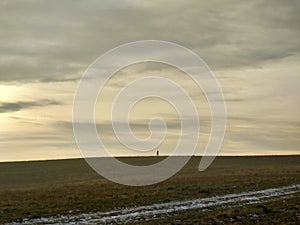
(155, 211)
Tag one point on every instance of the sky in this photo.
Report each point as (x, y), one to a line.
(252, 47)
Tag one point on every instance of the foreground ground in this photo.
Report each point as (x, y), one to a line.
(69, 187)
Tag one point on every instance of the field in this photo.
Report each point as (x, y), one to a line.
(45, 189)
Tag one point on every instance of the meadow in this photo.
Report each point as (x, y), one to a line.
(68, 187)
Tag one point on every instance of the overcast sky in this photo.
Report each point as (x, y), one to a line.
(252, 47)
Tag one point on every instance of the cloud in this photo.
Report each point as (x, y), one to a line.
(17, 106)
(57, 40)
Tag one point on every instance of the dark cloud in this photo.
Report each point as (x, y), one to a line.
(59, 39)
(17, 106)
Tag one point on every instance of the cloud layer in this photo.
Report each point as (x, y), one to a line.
(57, 40)
(17, 106)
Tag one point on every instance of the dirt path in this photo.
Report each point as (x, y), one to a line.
(156, 211)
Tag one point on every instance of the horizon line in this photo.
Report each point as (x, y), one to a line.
(77, 158)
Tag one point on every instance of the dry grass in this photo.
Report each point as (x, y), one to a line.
(36, 189)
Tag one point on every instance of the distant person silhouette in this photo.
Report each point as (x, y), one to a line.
(157, 153)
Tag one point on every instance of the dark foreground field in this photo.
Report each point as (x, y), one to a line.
(69, 187)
